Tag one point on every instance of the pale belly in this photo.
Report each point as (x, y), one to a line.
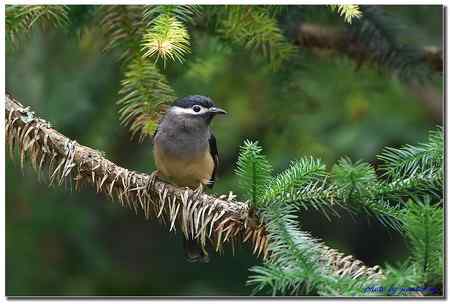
(185, 172)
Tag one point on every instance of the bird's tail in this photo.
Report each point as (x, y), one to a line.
(194, 252)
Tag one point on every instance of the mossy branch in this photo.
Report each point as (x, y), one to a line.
(215, 220)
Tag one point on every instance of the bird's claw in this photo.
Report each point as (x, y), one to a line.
(153, 178)
(198, 191)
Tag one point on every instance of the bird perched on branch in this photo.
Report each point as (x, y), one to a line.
(185, 151)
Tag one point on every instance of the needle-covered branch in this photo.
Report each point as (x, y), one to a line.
(213, 220)
(202, 216)
(344, 42)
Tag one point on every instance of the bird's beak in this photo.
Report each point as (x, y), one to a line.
(216, 110)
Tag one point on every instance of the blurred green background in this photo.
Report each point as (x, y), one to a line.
(61, 242)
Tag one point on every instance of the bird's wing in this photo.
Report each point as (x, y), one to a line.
(215, 155)
(154, 134)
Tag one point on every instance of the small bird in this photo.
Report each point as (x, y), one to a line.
(185, 151)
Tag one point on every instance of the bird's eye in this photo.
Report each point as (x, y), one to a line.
(196, 108)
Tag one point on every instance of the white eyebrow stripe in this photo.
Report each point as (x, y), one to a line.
(179, 110)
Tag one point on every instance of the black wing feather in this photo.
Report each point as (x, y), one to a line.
(215, 155)
(154, 134)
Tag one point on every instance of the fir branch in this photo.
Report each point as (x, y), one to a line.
(426, 159)
(352, 187)
(276, 10)
(143, 97)
(218, 220)
(358, 186)
(419, 184)
(20, 19)
(381, 200)
(256, 30)
(297, 262)
(424, 229)
(300, 264)
(401, 278)
(293, 269)
(122, 26)
(276, 279)
(380, 34)
(321, 196)
(14, 25)
(384, 212)
(348, 11)
(294, 249)
(300, 172)
(145, 91)
(254, 171)
(393, 283)
(295, 256)
(351, 178)
(166, 38)
(354, 45)
(304, 185)
(275, 273)
(183, 13)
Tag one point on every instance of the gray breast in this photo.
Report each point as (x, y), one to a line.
(181, 138)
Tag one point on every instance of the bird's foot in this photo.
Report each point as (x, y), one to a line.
(198, 191)
(153, 178)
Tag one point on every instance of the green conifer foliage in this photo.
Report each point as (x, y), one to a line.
(297, 263)
(404, 192)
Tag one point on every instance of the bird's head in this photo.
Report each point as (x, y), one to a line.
(195, 108)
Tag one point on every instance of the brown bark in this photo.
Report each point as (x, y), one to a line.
(325, 38)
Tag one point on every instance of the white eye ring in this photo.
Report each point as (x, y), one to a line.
(196, 108)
